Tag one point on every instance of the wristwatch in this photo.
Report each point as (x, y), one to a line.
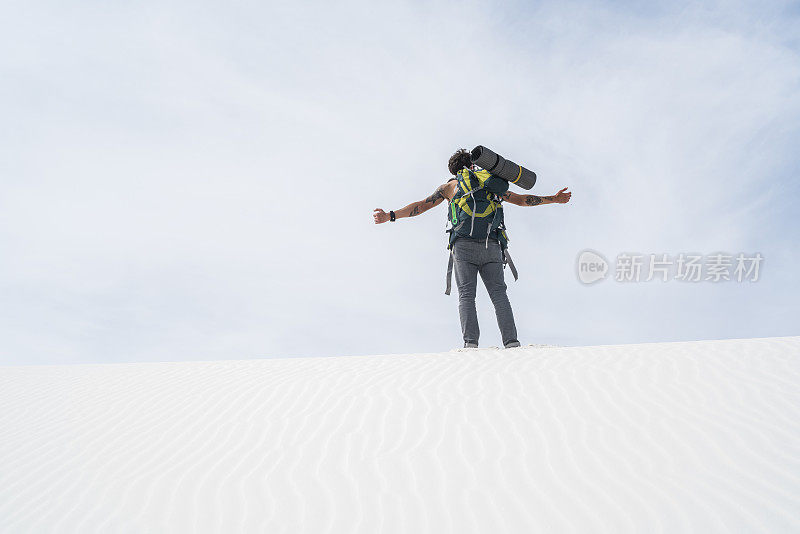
(392, 216)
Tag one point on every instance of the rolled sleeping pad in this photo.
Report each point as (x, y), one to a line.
(503, 168)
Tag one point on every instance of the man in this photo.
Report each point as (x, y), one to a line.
(472, 253)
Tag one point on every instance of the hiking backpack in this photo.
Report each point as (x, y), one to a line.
(476, 211)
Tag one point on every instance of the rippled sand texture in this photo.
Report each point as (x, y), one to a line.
(666, 437)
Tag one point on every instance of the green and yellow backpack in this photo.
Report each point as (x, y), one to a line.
(476, 210)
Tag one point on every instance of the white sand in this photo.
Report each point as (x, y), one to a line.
(666, 437)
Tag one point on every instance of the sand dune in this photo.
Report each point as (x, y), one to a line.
(665, 437)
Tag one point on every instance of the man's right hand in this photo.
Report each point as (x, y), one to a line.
(562, 197)
(380, 216)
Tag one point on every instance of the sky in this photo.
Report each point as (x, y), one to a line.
(195, 181)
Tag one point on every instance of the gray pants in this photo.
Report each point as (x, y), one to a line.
(472, 257)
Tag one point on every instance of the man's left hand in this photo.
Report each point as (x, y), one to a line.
(380, 216)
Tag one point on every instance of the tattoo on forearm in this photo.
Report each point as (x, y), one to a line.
(506, 195)
(414, 211)
(533, 200)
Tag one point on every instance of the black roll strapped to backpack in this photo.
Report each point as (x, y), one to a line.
(502, 168)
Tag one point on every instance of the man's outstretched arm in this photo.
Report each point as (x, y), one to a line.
(414, 208)
(562, 197)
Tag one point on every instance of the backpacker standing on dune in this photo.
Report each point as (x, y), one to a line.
(478, 240)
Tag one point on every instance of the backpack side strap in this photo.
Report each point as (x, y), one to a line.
(449, 273)
(507, 259)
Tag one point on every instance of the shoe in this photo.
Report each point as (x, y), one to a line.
(470, 345)
(512, 344)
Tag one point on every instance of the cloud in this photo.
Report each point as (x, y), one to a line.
(192, 182)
